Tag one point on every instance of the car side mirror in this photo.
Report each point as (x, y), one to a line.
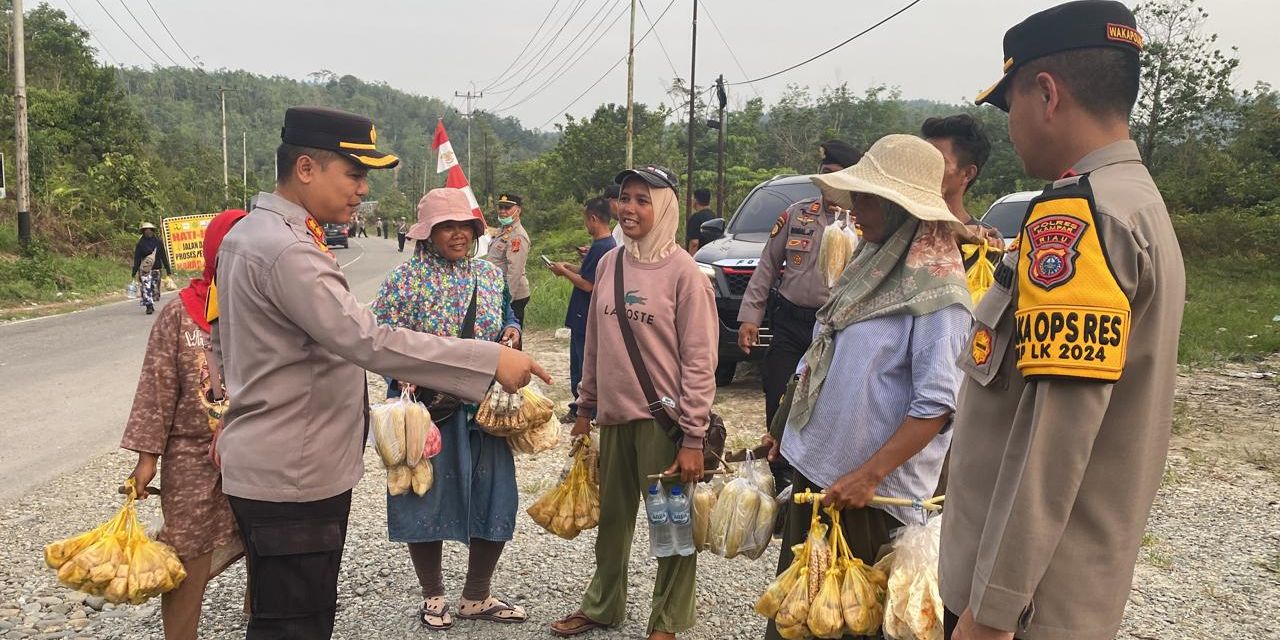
(713, 229)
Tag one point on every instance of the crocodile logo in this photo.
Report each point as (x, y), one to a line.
(631, 298)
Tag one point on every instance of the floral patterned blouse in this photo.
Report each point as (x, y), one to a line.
(430, 294)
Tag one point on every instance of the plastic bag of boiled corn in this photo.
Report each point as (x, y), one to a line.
(913, 606)
(573, 505)
(742, 519)
(406, 439)
(117, 560)
(839, 240)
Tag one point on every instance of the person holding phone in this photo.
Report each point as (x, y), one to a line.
(595, 217)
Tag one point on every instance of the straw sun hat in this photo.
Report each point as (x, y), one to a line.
(900, 168)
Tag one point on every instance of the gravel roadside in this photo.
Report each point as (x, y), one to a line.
(1209, 569)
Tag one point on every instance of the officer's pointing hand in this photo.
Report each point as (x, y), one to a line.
(516, 368)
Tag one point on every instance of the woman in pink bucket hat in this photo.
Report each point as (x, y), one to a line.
(445, 290)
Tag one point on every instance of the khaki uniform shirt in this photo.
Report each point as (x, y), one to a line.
(294, 344)
(509, 250)
(793, 242)
(1052, 478)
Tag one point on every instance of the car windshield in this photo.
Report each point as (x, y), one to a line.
(1007, 217)
(762, 208)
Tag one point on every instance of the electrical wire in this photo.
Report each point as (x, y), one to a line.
(594, 23)
(126, 34)
(85, 25)
(148, 34)
(171, 36)
(610, 69)
(660, 45)
(804, 62)
(733, 55)
(559, 73)
(533, 37)
(536, 60)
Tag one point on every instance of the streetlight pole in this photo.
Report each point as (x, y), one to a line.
(631, 85)
(693, 103)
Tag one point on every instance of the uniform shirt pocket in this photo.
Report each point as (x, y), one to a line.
(993, 328)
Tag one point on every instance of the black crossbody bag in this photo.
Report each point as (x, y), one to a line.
(441, 405)
(660, 408)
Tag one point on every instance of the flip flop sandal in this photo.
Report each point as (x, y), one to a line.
(495, 611)
(584, 624)
(440, 612)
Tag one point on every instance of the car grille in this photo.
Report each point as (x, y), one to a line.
(738, 280)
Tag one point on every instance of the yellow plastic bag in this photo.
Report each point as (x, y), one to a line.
(982, 274)
(117, 560)
(771, 602)
(861, 594)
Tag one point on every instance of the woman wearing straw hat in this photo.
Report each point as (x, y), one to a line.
(669, 308)
(148, 258)
(445, 290)
(877, 388)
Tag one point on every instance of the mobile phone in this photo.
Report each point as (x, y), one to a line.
(545, 260)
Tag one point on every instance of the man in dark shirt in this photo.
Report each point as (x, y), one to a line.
(596, 216)
(694, 237)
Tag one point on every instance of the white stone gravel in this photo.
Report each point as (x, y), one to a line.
(1209, 569)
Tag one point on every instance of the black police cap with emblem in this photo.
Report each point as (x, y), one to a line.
(348, 134)
(654, 175)
(1084, 24)
(510, 200)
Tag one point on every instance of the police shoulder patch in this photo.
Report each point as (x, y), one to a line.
(779, 225)
(982, 342)
(1072, 318)
(515, 245)
(815, 207)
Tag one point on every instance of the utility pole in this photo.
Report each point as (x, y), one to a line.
(469, 95)
(20, 126)
(631, 84)
(222, 95)
(693, 103)
(722, 98)
(244, 167)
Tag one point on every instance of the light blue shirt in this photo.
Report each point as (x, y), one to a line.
(883, 370)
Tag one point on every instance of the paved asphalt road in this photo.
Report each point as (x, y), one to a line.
(67, 382)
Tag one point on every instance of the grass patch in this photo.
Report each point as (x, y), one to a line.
(1232, 289)
(1181, 417)
(1153, 551)
(43, 278)
(548, 298)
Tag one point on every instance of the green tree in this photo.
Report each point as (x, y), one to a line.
(1185, 76)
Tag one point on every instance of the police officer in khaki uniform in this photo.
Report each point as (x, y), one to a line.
(1064, 415)
(509, 250)
(294, 344)
(789, 264)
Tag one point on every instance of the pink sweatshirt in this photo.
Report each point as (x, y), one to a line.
(672, 311)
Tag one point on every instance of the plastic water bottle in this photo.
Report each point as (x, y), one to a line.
(132, 290)
(681, 521)
(661, 543)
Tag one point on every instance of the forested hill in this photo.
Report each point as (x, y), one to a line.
(183, 110)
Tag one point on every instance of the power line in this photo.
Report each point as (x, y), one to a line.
(171, 37)
(533, 37)
(148, 34)
(804, 62)
(594, 23)
(610, 69)
(126, 34)
(564, 68)
(537, 59)
(727, 46)
(660, 45)
(85, 25)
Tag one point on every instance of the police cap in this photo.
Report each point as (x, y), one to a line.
(510, 200)
(1082, 24)
(348, 134)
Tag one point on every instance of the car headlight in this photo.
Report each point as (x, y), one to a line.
(707, 270)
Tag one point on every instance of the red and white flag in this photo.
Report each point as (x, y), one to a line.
(447, 161)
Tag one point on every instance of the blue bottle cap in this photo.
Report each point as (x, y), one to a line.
(676, 490)
(653, 490)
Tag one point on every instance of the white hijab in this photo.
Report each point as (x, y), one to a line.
(660, 242)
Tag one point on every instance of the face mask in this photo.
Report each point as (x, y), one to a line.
(506, 221)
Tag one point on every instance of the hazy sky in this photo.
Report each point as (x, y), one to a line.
(940, 49)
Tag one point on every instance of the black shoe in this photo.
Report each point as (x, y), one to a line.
(568, 418)
(151, 309)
